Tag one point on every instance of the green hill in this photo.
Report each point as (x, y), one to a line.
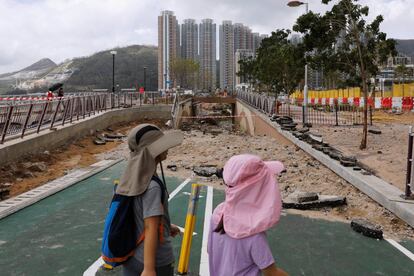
(406, 46)
(86, 73)
(96, 71)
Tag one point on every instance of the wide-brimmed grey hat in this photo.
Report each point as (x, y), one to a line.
(146, 142)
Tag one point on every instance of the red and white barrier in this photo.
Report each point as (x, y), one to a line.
(404, 103)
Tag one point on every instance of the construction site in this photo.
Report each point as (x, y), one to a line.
(59, 160)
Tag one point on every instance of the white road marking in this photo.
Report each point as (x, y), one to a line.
(179, 188)
(204, 268)
(182, 230)
(401, 248)
(91, 271)
(187, 193)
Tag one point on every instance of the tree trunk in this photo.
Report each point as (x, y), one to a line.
(365, 95)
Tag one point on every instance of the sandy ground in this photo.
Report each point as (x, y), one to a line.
(386, 154)
(303, 172)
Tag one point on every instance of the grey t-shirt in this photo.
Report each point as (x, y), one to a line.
(148, 205)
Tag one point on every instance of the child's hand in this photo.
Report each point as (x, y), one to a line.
(174, 230)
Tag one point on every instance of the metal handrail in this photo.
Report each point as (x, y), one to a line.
(22, 118)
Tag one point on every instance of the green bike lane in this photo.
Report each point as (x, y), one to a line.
(61, 235)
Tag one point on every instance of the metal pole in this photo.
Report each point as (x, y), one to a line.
(7, 124)
(54, 115)
(27, 120)
(305, 93)
(43, 116)
(409, 179)
(113, 73)
(336, 114)
(189, 229)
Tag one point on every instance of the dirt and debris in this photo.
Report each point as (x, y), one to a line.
(386, 153)
(203, 147)
(367, 228)
(36, 170)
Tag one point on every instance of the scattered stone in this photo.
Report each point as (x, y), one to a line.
(206, 171)
(323, 201)
(374, 131)
(303, 130)
(172, 167)
(365, 172)
(27, 174)
(348, 161)
(379, 152)
(35, 167)
(114, 135)
(334, 154)
(367, 228)
(99, 142)
(316, 137)
(216, 131)
(305, 196)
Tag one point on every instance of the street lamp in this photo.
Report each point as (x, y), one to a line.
(295, 3)
(113, 53)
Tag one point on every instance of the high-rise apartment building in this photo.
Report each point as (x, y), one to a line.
(256, 41)
(207, 56)
(239, 36)
(227, 55)
(241, 54)
(189, 39)
(168, 46)
(249, 38)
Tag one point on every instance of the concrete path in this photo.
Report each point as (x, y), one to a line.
(12, 205)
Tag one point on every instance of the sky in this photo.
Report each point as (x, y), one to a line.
(60, 29)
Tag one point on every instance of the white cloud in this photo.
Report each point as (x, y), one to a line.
(60, 29)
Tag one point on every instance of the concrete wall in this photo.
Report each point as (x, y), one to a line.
(185, 108)
(50, 139)
(253, 125)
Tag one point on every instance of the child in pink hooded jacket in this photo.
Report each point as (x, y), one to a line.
(237, 241)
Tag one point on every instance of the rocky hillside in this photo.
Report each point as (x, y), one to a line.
(87, 73)
(96, 71)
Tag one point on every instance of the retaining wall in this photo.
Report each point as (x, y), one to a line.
(50, 139)
(248, 121)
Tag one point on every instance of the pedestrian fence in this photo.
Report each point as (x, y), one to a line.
(19, 119)
(334, 113)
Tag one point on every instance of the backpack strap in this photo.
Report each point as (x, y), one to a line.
(162, 186)
(161, 225)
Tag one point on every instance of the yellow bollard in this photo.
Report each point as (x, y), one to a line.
(189, 229)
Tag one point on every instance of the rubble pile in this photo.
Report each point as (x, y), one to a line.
(102, 139)
(309, 200)
(316, 141)
(367, 228)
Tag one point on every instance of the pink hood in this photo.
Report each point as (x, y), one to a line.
(253, 203)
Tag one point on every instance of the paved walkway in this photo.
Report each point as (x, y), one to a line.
(62, 235)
